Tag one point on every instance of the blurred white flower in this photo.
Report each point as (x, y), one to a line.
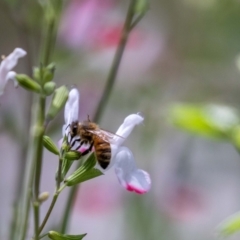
(129, 176)
(7, 64)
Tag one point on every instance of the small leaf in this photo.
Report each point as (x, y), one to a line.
(85, 172)
(207, 120)
(59, 236)
(230, 225)
(50, 145)
(27, 83)
(58, 101)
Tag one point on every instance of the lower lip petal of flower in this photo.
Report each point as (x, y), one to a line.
(131, 178)
(138, 181)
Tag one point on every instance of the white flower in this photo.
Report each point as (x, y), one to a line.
(7, 64)
(129, 176)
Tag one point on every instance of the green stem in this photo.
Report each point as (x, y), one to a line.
(39, 132)
(43, 235)
(116, 62)
(50, 39)
(68, 207)
(55, 197)
(23, 215)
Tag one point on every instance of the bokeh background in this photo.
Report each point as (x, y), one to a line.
(181, 51)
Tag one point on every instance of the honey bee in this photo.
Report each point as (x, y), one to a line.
(88, 132)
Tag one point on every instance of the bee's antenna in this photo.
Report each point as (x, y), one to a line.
(88, 118)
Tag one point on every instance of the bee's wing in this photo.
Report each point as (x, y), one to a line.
(105, 135)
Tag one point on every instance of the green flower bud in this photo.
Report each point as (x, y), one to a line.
(27, 83)
(58, 101)
(48, 73)
(59, 236)
(50, 145)
(36, 74)
(72, 155)
(49, 87)
(85, 172)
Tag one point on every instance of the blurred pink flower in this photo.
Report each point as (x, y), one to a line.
(96, 26)
(98, 196)
(80, 21)
(184, 202)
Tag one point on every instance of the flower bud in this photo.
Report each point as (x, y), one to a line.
(85, 172)
(43, 196)
(36, 74)
(49, 87)
(59, 236)
(27, 83)
(72, 155)
(58, 101)
(49, 145)
(48, 73)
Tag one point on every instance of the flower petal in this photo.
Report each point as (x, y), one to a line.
(7, 64)
(127, 126)
(131, 178)
(72, 107)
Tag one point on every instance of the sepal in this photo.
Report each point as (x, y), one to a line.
(59, 236)
(66, 164)
(58, 101)
(50, 145)
(85, 172)
(27, 83)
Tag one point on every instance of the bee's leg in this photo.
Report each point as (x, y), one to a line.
(88, 150)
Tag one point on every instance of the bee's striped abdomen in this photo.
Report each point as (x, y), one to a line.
(103, 152)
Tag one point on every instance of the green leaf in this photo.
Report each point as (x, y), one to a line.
(59, 236)
(50, 145)
(85, 172)
(27, 83)
(58, 101)
(230, 225)
(207, 120)
(236, 137)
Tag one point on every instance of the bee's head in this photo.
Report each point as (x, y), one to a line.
(74, 128)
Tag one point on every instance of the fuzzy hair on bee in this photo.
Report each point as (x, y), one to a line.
(88, 132)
